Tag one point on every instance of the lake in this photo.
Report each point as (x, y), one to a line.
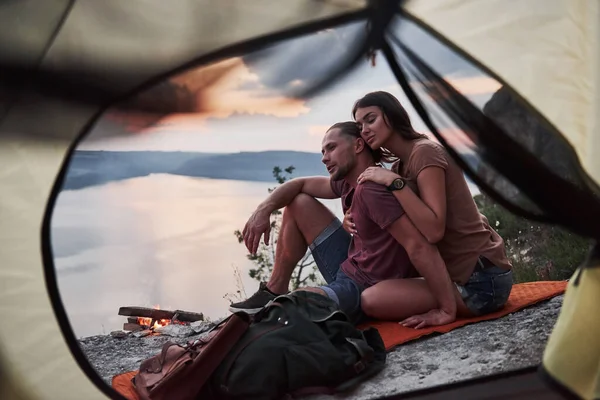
(160, 240)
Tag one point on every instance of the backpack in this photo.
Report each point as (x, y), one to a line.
(179, 372)
(298, 344)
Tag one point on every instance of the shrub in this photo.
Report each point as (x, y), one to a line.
(537, 251)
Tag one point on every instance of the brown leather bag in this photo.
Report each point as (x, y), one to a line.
(180, 372)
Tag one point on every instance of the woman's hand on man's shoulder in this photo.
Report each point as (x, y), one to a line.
(378, 175)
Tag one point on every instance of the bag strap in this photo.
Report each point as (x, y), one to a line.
(155, 364)
(209, 334)
(365, 352)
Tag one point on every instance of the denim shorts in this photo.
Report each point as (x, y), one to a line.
(330, 250)
(487, 289)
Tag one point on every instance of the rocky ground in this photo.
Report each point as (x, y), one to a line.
(508, 343)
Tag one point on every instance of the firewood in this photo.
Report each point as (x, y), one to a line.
(128, 326)
(183, 316)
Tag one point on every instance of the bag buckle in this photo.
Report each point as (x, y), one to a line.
(359, 367)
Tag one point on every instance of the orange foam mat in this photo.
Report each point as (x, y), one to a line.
(394, 334)
(122, 384)
(521, 296)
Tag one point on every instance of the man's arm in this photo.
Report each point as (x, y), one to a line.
(427, 260)
(259, 222)
(315, 186)
(383, 208)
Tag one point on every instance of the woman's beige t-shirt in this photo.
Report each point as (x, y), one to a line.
(468, 234)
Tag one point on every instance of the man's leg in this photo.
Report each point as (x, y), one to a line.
(346, 293)
(304, 219)
(330, 250)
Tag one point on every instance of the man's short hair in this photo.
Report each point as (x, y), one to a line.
(350, 129)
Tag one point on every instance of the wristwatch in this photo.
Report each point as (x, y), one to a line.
(397, 184)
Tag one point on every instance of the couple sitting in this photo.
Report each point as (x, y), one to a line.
(413, 246)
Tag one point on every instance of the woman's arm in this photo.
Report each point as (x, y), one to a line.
(427, 213)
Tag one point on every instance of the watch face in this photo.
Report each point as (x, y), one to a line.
(398, 184)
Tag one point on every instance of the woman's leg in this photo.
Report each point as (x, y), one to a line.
(397, 299)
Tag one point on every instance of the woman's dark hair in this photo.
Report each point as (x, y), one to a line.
(351, 129)
(394, 115)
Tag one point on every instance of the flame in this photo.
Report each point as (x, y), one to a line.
(157, 323)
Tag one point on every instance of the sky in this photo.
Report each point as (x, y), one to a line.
(248, 107)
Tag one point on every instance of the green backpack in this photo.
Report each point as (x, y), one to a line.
(299, 344)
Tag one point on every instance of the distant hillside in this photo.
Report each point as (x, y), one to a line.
(252, 166)
(89, 168)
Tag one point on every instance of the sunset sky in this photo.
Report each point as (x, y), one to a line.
(247, 108)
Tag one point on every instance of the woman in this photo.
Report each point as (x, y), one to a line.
(435, 196)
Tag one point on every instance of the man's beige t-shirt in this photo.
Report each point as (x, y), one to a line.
(468, 234)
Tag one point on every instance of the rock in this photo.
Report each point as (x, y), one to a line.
(119, 334)
(472, 351)
(175, 330)
(201, 326)
(518, 346)
(141, 334)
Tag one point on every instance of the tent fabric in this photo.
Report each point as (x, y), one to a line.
(547, 50)
(111, 47)
(572, 355)
(119, 45)
(483, 132)
(97, 52)
(559, 189)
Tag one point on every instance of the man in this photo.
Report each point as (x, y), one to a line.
(386, 246)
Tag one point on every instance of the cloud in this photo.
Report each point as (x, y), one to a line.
(306, 58)
(237, 90)
(477, 85)
(296, 83)
(221, 90)
(242, 105)
(467, 86)
(317, 130)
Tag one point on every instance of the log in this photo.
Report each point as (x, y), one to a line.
(128, 326)
(183, 316)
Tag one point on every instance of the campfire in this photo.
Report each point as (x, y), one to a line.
(146, 321)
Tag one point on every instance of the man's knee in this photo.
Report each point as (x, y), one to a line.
(302, 204)
(310, 215)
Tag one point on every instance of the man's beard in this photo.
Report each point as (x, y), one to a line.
(342, 171)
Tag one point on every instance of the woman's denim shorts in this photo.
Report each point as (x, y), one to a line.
(487, 289)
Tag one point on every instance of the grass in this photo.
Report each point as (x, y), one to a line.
(537, 251)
